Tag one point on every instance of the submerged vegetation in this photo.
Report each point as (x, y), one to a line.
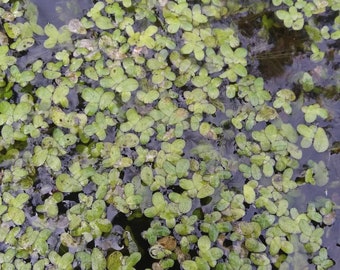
(150, 135)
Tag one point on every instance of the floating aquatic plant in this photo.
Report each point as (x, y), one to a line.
(149, 113)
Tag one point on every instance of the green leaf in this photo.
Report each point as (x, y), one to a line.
(16, 215)
(288, 225)
(158, 200)
(151, 212)
(115, 260)
(106, 100)
(40, 156)
(287, 247)
(66, 183)
(185, 204)
(298, 24)
(147, 175)
(143, 124)
(166, 106)
(151, 30)
(104, 23)
(259, 259)
(282, 207)
(186, 184)
(266, 113)
(127, 140)
(254, 245)
(240, 70)
(20, 200)
(51, 30)
(50, 43)
(178, 116)
(305, 227)
(205, 191)
(91, 73)
(265, 220)
(59, 95)
(249, 194)
(204, 243)
(7, 134)
(275, 246)
(312, 247)
(276, 2)
(182, 167)
(107, 82)
(215, 253)
(51, 74)
(189, 265)
(127, 85)
(307, 82)
(53, 162)
(62, 139)
(306, 131)
(133, 259)
(21, 111)
(320, 143)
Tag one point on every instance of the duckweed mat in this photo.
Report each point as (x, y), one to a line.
(159, 134)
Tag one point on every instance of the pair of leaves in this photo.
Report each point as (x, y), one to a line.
(197, 187)
(56, 36)
(14, 209)
(58, 95)
(10, 113)
(313, 135)
(97, 99)
(75, 181)
(47, 157)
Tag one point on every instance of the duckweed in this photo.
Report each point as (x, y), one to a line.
(145, 135)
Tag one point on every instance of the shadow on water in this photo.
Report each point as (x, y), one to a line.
(136, 225)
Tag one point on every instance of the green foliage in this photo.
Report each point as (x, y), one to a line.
(77, 179)
(307, 82)
(322, 260)
(47, 155)
(56, 36)
(283, 99)
(5, 60)
(117, 261)
(177, 16)
(11, 113)
(197, 187)
(313, 111)
(208, 253)
(193, 44)
(50, 205)
(291, 18)
(313, 135)
(99, 126)
(14, 208)
(150, 112)
(142, 39)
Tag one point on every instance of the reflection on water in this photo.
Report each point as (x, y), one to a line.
(61, 11)
(280, 56)
(271, 49)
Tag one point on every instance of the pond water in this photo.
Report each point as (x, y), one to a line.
(277, 54)
(280, 64)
